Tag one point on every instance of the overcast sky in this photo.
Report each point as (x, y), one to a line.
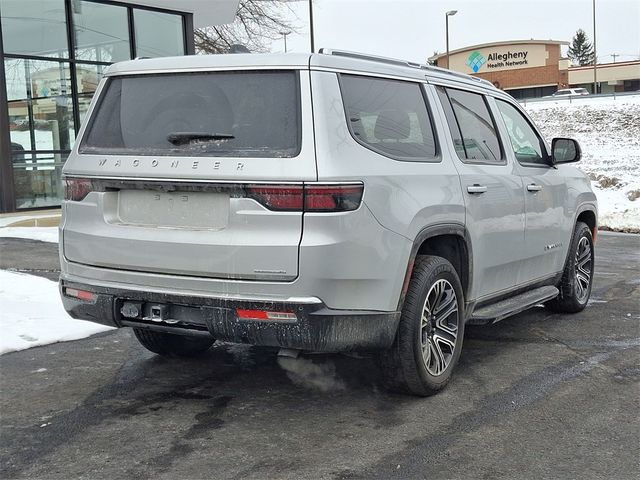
(414, 29)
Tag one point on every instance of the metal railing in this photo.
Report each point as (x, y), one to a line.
(575, 98)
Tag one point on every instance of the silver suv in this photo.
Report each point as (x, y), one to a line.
(324, 202)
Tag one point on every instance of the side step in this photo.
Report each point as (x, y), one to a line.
(497, 311)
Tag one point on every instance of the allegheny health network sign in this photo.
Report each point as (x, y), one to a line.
(504, 57)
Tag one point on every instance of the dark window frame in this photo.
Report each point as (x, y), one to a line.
(502, 161)
(437, 157)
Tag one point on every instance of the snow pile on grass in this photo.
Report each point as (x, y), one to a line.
(608, 131)
(31, 314)
(44, 234)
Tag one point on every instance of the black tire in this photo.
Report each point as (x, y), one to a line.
(574, 293)
(403, 366)
(170, 345)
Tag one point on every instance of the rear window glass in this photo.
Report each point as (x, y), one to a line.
(224, 114)
(389, 117)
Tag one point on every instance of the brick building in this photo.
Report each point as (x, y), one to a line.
(536, 68)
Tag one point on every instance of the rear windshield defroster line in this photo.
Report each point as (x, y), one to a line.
(201, 114)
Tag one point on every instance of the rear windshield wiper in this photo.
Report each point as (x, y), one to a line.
(182, 138)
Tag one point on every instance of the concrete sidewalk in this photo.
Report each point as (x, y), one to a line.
(40, 218)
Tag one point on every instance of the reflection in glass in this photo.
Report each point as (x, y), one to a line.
(34, 27)
(84, 101)
(158, 34)
(36, 179)
(88, 77)
(15, 75)
(19, 127)
(40, 106)
(101, 32)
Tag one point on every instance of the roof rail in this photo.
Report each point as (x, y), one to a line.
(366, 56)
(400, 63)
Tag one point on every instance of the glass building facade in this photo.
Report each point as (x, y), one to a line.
(53, 55)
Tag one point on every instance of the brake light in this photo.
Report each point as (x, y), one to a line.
(77, 189)
(310, 198)
(265, 315)
(332, 198)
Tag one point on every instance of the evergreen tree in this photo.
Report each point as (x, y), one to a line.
(581, 50)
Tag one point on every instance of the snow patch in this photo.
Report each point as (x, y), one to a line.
(608, 131)
(32, 314)
(44, 234)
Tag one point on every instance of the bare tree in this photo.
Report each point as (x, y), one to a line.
(257, 23)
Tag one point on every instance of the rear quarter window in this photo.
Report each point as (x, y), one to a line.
(233, 114)
(389, 117)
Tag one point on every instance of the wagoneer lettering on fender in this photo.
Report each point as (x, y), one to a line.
(326, 202)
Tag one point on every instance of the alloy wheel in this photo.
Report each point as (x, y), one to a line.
(583, 269)
(439, 327)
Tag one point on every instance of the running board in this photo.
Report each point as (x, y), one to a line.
(498, 311)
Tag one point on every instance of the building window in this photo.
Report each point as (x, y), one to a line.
(158, 34)
(55, 53)
(101, 32)
(34, 27)
(40, 104)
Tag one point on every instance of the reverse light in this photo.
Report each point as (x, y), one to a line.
(266, 315)
(80, 294)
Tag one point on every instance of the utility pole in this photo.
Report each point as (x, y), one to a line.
(313, 47)
(595, 55)
(614, 55)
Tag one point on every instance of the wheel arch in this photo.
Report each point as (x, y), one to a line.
(587, 214)
(450, 241)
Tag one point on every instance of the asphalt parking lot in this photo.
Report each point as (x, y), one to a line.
(538, 395)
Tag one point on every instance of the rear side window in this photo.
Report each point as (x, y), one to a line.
(389, 117)
(472, 127)
(226, 114)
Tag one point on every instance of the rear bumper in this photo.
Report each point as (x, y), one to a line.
(317, 327)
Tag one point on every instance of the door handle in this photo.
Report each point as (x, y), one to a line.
(532, 187)
(475, 188)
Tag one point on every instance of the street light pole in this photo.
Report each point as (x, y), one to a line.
(450, 13)
(284, 35)
(595, 55)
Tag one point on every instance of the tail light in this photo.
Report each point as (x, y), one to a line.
(310, 198)
(280, 198)
(77, 188)
(332, 198)
(338, 197)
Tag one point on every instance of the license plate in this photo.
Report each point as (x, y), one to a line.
(192, 210)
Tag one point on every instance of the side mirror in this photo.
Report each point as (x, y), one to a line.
(565, 150)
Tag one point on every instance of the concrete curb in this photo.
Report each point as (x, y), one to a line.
(47, 218)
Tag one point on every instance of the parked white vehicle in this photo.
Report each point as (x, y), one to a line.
(571, 92)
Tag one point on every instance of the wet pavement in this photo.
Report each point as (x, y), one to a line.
(538, 395)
